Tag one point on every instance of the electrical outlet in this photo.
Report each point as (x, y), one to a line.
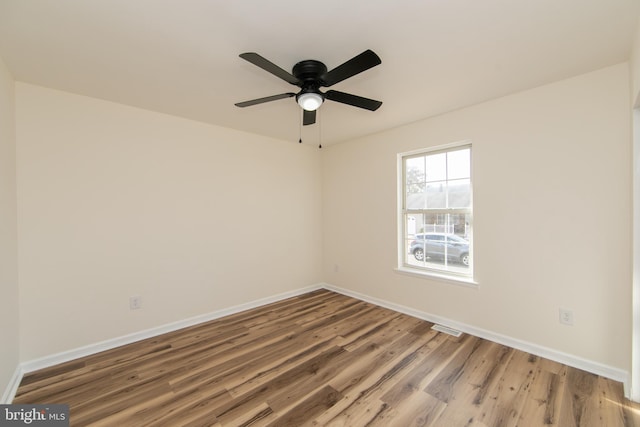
(566, 317)
(135, 303)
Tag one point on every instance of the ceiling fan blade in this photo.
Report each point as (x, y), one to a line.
(265, 99)
(356, 101)
(269, 66)
(355, 65)
(308, 117)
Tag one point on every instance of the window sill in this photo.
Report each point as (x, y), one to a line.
(456, 280)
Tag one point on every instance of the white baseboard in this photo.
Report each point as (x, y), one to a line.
(596, 368)
(615, 374)
(65, 356)
(12, 387)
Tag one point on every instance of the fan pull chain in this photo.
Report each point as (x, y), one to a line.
(319, 129)
(300, 128)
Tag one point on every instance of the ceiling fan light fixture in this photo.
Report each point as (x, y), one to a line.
(310, 75)
(310, 101)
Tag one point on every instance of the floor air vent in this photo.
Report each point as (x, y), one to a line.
(447, 330)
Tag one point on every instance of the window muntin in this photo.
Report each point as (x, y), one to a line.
(436, 211)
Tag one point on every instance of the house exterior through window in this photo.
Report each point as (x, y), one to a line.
(436, 211)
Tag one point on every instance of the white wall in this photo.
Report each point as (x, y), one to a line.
(634, 68)
(552, 216)
(115, 201)
(9, 338)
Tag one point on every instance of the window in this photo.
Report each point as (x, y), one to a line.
(436, 204)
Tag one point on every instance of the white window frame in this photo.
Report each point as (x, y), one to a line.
(433, 273)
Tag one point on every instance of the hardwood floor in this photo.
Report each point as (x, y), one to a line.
(324, 359)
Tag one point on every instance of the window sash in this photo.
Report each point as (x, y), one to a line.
(423, 153)
(442, 265)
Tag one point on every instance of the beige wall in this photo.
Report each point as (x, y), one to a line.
(635, 68)
(116, 201)
(552, 216)
(9, 339)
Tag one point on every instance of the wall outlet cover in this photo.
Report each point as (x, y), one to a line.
(566, 316)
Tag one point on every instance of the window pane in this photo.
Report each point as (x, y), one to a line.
(436, 167)
(436, 223)
(415, 170)
(412, 224)
(436, 193)
(459, 164)
(415, 196)
(459, 193)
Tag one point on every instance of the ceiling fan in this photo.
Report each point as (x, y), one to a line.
(310, 75)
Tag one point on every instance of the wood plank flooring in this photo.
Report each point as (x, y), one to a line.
(324, 359)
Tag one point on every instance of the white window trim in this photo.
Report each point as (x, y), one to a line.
(401, 267)
(433, 275)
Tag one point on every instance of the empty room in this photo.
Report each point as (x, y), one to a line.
(352, 213)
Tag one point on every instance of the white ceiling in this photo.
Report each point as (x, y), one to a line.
(181, 56)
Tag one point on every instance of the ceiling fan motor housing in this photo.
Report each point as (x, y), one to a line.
(310, 71)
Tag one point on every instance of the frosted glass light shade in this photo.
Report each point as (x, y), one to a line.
(310, 101)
